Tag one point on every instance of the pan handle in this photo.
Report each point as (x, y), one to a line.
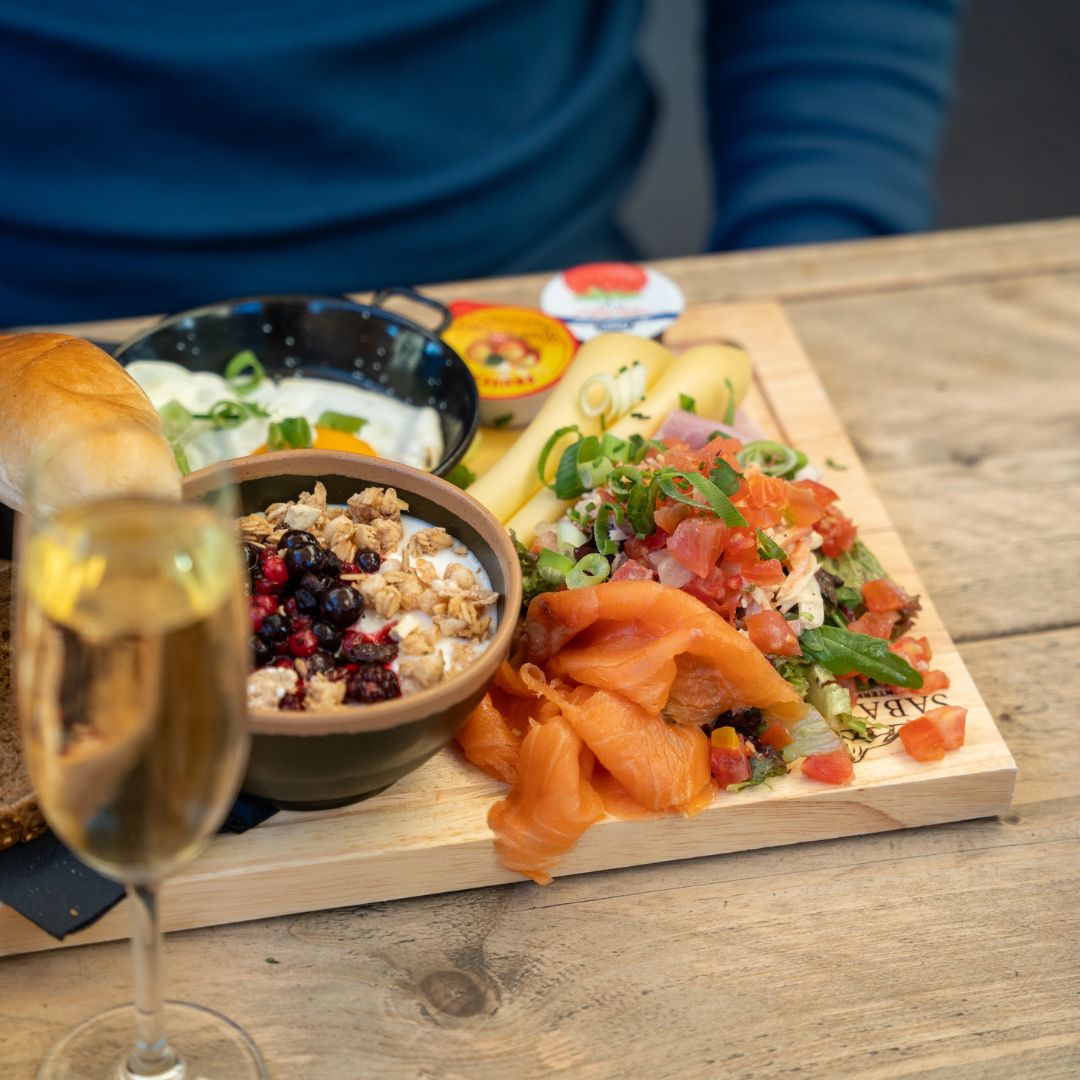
(403, 291)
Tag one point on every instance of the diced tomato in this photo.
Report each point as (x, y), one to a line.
(722, 447)
(741, 547)
(922, 740)
(802, 508)
(832, 768)
(765, 518)
(775, 735)
(767, 572)
(884, 595)
(950, 721)
(638, 549)
(933, 682)
(824, 496)
(916, 651)
(837, 531)
(632, 570)
(669, 515)
(698, 542)
(772, 634)
(728, 766)
(762, 490)
(877, 624)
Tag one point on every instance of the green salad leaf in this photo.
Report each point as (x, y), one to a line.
(340, 422)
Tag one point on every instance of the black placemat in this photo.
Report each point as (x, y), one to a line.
(48, 885)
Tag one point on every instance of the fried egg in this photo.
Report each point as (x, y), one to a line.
(392, 428)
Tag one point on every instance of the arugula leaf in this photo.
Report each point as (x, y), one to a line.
(841, 651)
(764, 765)
(769, 548)
(725, 477)
(340, 422)
(687, 403)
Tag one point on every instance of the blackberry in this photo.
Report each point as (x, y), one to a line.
(372, 683)
(368, 652)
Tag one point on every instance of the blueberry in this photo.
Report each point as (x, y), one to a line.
(368, 561)
(303, 559)
(294, 538)
(331, 563)
(274, 628)
(327, 637)
(261, 651)
(307, 603)
(252, 557)
(316, 583)
(341, 606)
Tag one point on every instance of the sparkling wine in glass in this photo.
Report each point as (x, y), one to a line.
(132, 655)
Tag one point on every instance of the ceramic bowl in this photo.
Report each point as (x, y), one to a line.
(316, 760)
(329, 337)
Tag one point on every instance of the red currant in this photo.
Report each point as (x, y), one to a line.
(303, 643)
(274, 569)
(265, 587)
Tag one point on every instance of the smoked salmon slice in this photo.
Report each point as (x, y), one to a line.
(657, 646)
(662, 766)
(551, 804)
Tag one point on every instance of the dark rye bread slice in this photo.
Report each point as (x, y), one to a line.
(20, 818)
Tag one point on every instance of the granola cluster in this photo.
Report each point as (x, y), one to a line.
(435, 615)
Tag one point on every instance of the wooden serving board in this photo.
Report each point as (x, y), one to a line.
(428, 833)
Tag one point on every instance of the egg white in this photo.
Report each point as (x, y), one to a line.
(394, 429)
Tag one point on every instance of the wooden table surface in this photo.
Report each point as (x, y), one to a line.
(953, 951)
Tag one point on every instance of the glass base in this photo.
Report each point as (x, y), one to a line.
(209, 1047)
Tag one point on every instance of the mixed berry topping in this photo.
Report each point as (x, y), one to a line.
(303, 606)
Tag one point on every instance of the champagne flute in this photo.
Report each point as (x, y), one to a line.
(132, 657)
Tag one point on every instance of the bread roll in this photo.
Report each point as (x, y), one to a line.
(54, 386)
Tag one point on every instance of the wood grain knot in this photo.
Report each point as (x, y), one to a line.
(455, 993)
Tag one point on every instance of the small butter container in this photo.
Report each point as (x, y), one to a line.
(602, 298)
(516, 355)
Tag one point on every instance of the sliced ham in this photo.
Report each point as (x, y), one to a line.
(695, 431)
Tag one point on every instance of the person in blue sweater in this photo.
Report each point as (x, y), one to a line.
(156, 156)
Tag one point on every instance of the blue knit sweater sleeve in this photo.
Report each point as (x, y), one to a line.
(825, 116)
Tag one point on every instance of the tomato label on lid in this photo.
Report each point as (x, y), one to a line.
(600, 298)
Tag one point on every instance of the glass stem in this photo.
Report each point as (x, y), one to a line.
(152, 1055)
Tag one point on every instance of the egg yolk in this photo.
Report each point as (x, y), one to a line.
(331, 439)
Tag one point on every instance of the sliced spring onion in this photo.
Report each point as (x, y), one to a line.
(602, 527)
(729, 411)
(292, 432)
(687, 403)
(590, 570)
(612, 396)
(570, 537)
(641, 508)
(768, 548)
(182, 462)
(541, 464)
(340, 422)
(244, 372)
(175, 420)
(553, 567)
(672, 485)
(594, 473)
(567, 482)
(772, 458)
(623, 480)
